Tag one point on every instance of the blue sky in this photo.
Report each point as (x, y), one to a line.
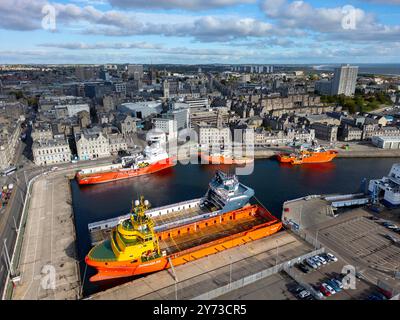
(200, 31)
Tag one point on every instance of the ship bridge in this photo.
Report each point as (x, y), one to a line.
(225, 192)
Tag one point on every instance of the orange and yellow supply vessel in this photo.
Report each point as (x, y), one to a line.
(152, 240)
(224, 157)
(313, 154)
(153, 159)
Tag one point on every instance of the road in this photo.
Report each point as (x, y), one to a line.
(10, 217)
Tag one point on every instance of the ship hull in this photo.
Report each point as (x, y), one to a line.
(209, 159)
(264, 224)
(320, 157)
(120, 174)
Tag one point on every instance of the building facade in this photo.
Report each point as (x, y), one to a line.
(325, 131)
(51, 151)
(92, 146)
(344, 80)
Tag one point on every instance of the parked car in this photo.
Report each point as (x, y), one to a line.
(376, 296)
(337, 282)
(301, 266)
(303, 294)
(333, 285)
(320, 259)
(329, 288)
(380, 295)
(390, 237)
(311, 263)
(316, 261)
(318, 292)
(388, 224)
(324, 290)
(331, 257)
(296, 289)
(392, 226)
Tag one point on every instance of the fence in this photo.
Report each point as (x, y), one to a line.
(253, 278)
(7, 293)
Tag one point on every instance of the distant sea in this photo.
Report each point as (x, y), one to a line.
(382, 69)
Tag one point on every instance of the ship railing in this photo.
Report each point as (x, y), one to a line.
(256, 208)
(185, 221)
(112, 222)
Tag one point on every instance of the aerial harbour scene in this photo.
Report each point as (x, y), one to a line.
(213, 151)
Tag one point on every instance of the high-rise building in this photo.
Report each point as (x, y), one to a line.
(135, 70)
(344, 80)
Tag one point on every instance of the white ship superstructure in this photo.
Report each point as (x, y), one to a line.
(387, 188)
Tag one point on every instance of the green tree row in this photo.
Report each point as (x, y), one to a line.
(360, 102)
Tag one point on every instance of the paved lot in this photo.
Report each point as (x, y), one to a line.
(198, 277)
(307, 213)
(49, 244)
(330, 270)
(274, 287)
(360, 242)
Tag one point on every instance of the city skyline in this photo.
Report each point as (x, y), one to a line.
(199, 32)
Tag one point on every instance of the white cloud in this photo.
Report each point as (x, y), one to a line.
(328, 21)
(94, 46)
(178, 4)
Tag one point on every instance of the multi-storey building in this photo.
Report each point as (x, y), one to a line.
(42, 131)
(324, 131)
(51, 151)
(211, 136)
(9, 140)
(166, 125)
(117, 143)
(92, 145)
(344, 80)
(214, 118)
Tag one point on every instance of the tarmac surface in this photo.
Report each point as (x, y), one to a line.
(352, 236)
(48, 265)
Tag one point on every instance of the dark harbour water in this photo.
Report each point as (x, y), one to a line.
(273, 184)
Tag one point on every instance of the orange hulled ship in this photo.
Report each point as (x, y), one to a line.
(152, 240)
(153, 159)
(312, 154)
(224, 157)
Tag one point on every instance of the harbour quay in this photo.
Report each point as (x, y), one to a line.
(48, 267)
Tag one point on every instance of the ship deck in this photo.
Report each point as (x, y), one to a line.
(165, 221)
(175, 217)
(211, 233)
